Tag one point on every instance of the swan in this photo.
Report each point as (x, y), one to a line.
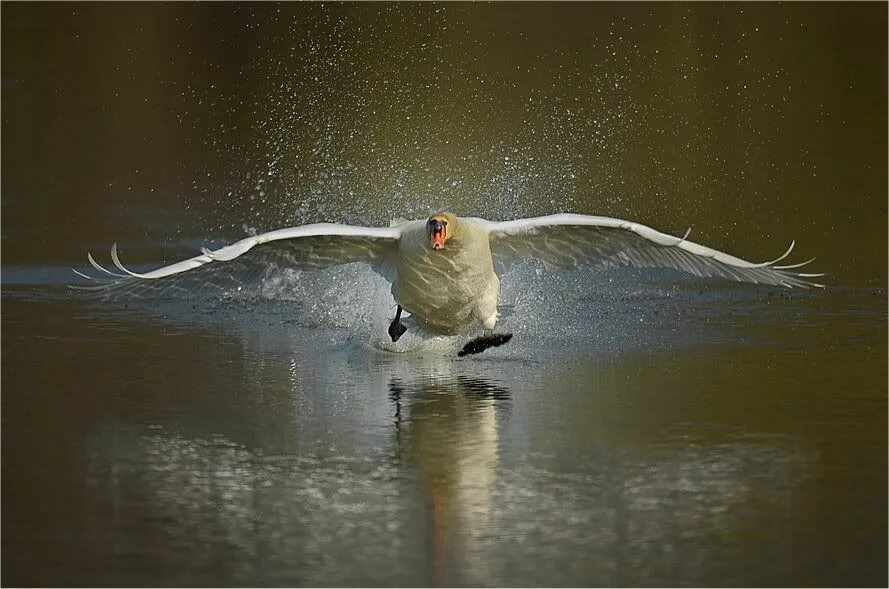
(442, 269)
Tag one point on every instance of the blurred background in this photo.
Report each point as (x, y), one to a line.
(640, 429)
(753, 123)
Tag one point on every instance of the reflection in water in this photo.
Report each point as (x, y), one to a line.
(335, 507)
(267, 452)
(208, 509)
(451, 436)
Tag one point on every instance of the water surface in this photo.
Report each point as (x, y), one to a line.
(684, 437)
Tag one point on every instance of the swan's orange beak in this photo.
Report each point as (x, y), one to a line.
(438, 233)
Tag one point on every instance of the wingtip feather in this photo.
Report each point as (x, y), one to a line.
(82, 275)
(791, 266)
(101, 268)
(778, 259)
(116, 259)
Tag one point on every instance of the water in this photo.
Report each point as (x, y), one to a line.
(641, 428)
(725, 437)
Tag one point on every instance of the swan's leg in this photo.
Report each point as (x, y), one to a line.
(483, 342)
(487, 312)
(396, 329)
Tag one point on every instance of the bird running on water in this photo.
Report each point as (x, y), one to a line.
(442, 269)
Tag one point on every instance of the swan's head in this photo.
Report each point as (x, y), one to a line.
(440, 228)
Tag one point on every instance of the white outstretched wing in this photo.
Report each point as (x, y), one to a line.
(308, 247)
(569, 240)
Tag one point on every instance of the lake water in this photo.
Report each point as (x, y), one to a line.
(640, 429)
(636, 431)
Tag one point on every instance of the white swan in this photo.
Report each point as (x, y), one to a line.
(442, 269)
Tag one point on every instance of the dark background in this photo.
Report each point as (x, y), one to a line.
(754, 123)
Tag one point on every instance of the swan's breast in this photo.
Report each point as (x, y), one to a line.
(443, 289)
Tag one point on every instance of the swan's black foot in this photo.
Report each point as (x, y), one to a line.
(483, 342)
(396, 328)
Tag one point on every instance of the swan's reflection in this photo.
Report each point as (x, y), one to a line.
(313, 465)
(448, 430)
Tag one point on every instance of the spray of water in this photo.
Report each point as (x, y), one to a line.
(345, 125)
(363, 114)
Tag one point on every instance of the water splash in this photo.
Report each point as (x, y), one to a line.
(347, 126)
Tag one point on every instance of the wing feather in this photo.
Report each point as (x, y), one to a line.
(249, 260)
(568, 240)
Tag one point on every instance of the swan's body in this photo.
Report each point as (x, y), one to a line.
(448, 291)
(443, 270)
